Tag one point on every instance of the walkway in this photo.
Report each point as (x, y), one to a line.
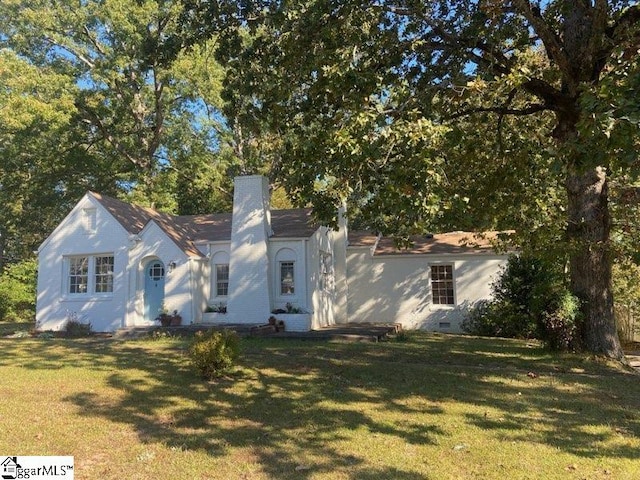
(352, 332)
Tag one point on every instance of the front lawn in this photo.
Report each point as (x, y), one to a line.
(435, 407)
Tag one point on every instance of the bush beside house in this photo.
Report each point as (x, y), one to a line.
(530, 300)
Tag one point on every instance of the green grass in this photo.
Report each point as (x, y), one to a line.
(433, 407)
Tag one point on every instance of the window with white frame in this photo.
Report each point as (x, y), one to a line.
(287, 278)
(222, 280)
(90, 274)
(442, 285)
(104, 274)
(219, 278)
(78, 275)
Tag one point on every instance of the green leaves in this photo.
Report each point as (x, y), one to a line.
(94, 96)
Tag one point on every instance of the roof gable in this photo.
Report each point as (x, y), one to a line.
(88, 200)
(188, 230)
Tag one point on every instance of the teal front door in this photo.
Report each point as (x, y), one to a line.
(153, 289)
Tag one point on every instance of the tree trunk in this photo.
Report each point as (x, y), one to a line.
(591, 259)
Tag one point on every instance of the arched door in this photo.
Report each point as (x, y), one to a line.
(153, 289)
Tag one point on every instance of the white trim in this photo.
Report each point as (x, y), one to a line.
(453, 283)
(287, 254)
(90, 294)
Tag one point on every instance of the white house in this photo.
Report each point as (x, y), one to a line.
(116, 265)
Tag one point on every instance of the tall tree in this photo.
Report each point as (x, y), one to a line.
(364, 99)
(36, 111)
(88, 101)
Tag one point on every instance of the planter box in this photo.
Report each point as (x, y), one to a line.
(295, 322)
(214, 317)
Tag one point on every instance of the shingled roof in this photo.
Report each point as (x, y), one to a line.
(188, 230)
(443, 243)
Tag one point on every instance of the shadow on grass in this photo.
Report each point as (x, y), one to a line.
(9, 328)
(292, 403)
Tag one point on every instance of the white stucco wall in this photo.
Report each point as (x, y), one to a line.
(125, 305)
(398, 288)
(55, 306)
(249, 273)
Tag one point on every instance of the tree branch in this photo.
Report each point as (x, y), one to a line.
(93, 40)
(501, 110)
(550, 39)
(70, 50)
(551, 96)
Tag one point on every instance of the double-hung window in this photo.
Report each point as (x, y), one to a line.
(90, 274)
(442, 285)
(222, 280)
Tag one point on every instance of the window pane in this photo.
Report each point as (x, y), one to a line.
(78, 274)
(442, 284)
(156, 271)
(222, 280)
(287, 280)
(104, 274)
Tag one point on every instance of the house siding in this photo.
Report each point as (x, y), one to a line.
(289, 250)
(398, 288)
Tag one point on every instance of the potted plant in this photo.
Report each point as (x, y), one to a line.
(215, 313)
(295, 318)
(167, 319)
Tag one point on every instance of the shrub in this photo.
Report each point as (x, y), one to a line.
(74, 328)
(214, 353)
(530, 300)
(18, 291)
(482, 320)
(559, 321)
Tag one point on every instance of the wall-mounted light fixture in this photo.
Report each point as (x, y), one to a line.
(172, 265)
